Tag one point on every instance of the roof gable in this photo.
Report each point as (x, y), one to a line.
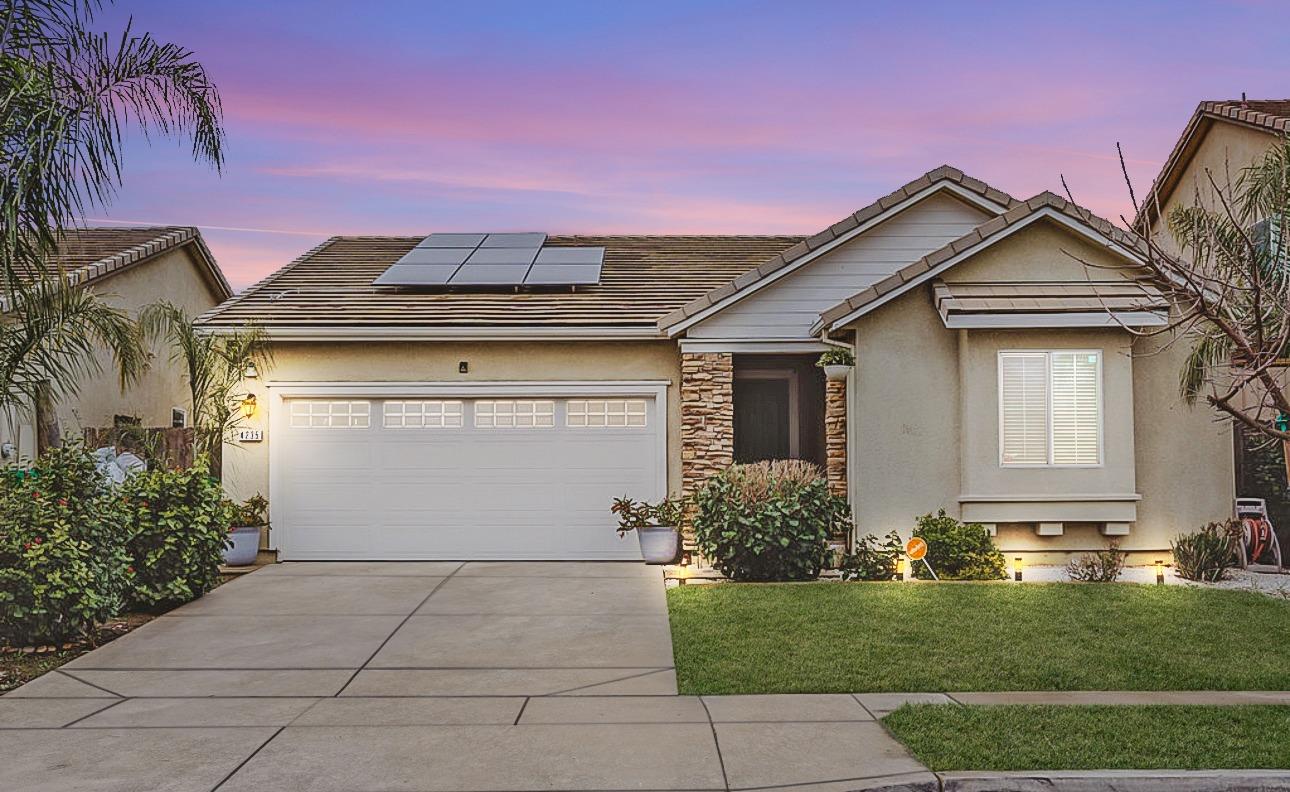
(1044, 205)
(942, 179)
(88, 255)
(1266, 115)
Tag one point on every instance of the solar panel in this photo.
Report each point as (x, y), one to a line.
(452, 241)
(451, 260)
(525, 240)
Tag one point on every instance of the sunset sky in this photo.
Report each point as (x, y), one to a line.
(679, 117)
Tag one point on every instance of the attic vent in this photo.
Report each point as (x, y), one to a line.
(478, 260)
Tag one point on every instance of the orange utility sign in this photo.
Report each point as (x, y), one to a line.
(916, 548)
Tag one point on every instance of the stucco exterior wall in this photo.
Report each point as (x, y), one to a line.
(175, 276)
(923, 436)
(246, 465)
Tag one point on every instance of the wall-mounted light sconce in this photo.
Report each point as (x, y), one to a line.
(463, 367)
(250, 372)
(248, 405)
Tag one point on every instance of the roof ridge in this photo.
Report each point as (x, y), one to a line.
(263, 282)
(977, 236)
(173, 236)
(905, 192)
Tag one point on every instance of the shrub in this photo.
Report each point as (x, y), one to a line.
(958, 551)
(252, 512)
(633, 514)
(1101, 566)
(178, 527)
(768, 521)
(836, 356)
(873, 559)
(63, 566)
(1206, 555)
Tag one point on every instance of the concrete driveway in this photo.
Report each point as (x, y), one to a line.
(368, 677)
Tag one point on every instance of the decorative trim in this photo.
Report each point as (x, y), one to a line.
(1049, 498)
(424, 333)
(1037, 321)
(772, 346)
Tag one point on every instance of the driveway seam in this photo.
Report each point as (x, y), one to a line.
(95, 712)
(609, 681)
(242, 763)
(520, 714)
(716, 742)
(398, 627)
(69, 675)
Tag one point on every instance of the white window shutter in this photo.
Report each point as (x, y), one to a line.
(1075, 408)
(1023, 408)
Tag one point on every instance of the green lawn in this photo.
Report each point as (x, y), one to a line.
(947, 737)
(858, 637)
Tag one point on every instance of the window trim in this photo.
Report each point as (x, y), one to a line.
(330, 400)
(443, 414)
(474, 413)
(627, 413)
(1048, 408)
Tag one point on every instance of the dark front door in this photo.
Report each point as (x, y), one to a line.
(761, 419)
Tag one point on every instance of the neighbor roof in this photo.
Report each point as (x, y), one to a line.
(751, 280)
(86, 255)
(1269, 115)
(643, 278)
(983, 235)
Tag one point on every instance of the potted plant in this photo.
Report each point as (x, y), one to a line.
(249, 518)
(656, 524)
(837, 363)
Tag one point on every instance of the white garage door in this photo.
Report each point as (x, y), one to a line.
(460, 478)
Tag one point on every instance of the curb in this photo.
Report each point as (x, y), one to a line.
(1119, 781)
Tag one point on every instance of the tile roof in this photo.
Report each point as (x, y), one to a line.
(944, 173)
(85, 255)
(1271, 115)
(644, 277)
(920, 270)
(1043, 297)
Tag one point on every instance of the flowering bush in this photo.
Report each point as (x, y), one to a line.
(178, 525)
(63, 565)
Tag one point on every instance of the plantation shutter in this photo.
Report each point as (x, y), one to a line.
(1075, 407)
(1023, 408)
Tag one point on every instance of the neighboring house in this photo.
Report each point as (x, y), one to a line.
(446, 418)
(130, 268)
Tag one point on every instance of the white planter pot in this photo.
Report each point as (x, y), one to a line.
(837, 373)
(659, 544)
(245, 545)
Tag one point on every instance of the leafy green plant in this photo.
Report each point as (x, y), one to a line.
(633, 514)
(836, 356)
(958, 551)
(768, 520)
(254, 511)
(178, 524)
(1206, 555)
(63, 565)
(1100, 566)
(873, 558)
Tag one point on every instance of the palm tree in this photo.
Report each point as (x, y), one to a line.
(214, 364)
(66, 97)
(54, 338)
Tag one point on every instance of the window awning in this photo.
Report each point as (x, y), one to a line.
(1016, 304)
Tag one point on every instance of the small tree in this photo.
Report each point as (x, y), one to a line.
(1229, 291)
(214, 366)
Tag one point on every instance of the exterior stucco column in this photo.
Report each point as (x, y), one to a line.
(707, 416)
(835, 435)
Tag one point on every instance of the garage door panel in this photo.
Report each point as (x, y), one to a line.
(390, 490)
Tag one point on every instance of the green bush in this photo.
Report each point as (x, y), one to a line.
(873, 558)
(768, 521)
(957, 551)
(63, 565)
(178, 527)
(1206, 555)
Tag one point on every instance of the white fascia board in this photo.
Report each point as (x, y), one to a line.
(1047, 212)
(749, 346)
(945, 185)
(376, 333)
(1051, 498)
(1024, 321)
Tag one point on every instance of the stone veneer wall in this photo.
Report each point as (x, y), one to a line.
(707, 416)
(835, 435)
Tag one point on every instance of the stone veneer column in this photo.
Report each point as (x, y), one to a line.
(835, 435)
(707, 416)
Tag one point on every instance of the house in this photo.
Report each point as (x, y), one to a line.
(130, 268)
(485, 395)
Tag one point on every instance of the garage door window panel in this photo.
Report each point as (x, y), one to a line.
(515, 414)
(330, 414)
(422, 414)
(616, 413)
